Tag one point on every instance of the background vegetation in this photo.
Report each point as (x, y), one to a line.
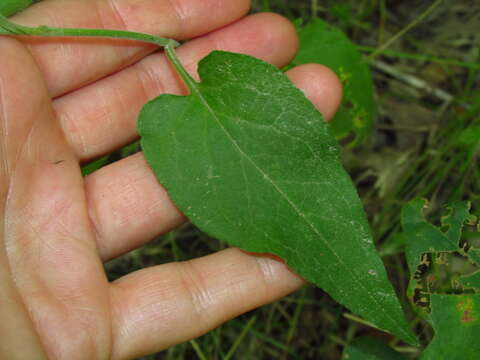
(425, 57)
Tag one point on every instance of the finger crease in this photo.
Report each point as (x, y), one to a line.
(117, 14)
(147, 77)
(199, 295)
(179, 15)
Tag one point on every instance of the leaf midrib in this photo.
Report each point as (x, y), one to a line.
(197, 92)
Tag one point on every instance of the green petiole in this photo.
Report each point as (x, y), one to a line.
(172, 56)
(9, 28)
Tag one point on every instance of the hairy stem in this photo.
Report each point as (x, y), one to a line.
(9, 28)
(172, 56)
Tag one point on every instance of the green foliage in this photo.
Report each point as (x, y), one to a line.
(422, 237)
(10, 7)
(443, 165)
(456, 321)
(453, 316)
(471, 281)
(366, 348)
(325, 44)
(261, 171)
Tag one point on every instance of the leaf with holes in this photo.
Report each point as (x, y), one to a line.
(423, 237)
(251, 161)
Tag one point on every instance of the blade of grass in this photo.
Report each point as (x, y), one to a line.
(240, 338)
(421, 57)
(406, 29)
(198, 351)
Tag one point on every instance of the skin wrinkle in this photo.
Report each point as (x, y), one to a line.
(116, 14)
(178, 14)
(62, 48)
(145, 175)
(165, 79)
(265, 269)
(104, 115)
(119, 23)
(29, 152)
(6, 221)
(194, 285)
(92, 219)
(104, 24)
(65, 118)
(137, 308)
(92, 205)
(123, 101)
(145, 74)
(161, 219)
(129, 204)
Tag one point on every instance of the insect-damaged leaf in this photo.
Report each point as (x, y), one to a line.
(423, 237)
(456, 321)
(250, 161)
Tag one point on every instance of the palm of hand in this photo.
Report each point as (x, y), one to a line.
(58, 227)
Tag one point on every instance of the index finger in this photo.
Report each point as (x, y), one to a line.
(70, 64)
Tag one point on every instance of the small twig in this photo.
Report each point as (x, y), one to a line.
(413, 81)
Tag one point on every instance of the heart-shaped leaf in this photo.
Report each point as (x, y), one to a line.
(251, 161)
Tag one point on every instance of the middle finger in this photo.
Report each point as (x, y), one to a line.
(70, 64)
(102, 116)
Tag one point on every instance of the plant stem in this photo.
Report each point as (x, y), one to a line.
(9, 28)
(172, 56)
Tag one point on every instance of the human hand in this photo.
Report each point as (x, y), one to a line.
(63, 102)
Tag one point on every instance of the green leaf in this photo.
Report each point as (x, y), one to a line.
(470, 136)
(366, 348)
(10, 7)
(251, 161)
(471, 281)
(456, 321)
(421, 236)
(458, 215)
(474, 255)
(325, 44)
